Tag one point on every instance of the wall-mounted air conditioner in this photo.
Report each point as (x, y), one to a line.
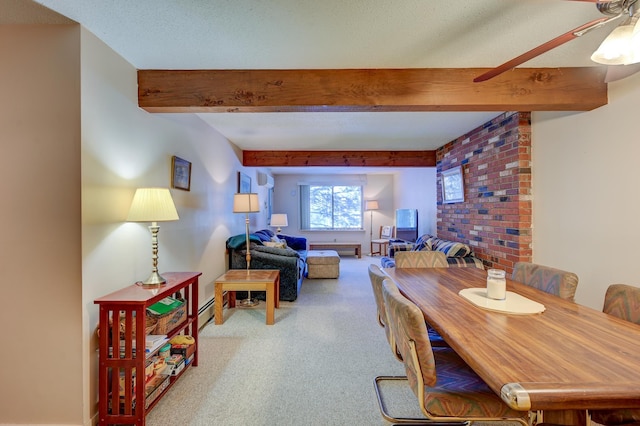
(265, 180)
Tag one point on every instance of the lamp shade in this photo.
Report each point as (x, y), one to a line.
(152, 205)
(245, 203)
(279, 219)
(371, 205)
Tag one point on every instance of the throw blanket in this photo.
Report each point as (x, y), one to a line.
(238, 241)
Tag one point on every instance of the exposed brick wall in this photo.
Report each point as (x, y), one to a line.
(495, 218)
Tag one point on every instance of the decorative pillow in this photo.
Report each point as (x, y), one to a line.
(274, 244)
(451, 248)
(423, 243)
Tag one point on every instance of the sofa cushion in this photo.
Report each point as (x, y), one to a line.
(387, 262)
(296, 243)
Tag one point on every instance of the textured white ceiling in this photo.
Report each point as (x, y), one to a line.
(227, 34)
(303, 34)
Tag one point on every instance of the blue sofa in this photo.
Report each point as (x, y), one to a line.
(291, 260)
(458, 254)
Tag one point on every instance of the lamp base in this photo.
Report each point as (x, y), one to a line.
(154, 279)
(248, 303)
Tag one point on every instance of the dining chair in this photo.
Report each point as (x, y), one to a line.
(421, 259)
(376, 276)
(387, 232)
(448, 390)
(622, 301)
(550, 280)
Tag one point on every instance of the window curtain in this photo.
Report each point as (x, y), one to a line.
(304, 207)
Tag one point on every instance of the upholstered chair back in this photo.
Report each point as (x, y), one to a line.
(376, 276)
(550, 280)
(408, 328)
(387, 231)
(421, 259)
(622, 301)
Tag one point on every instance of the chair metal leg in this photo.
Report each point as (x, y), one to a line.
(405, 421)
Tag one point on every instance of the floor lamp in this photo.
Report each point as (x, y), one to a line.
(246, 203)
(371, 205)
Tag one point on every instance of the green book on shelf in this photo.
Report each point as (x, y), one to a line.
(164, 306)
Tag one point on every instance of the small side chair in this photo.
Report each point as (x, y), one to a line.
(550, 280)
(386, 234)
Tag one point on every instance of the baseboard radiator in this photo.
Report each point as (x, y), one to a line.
(205, 313)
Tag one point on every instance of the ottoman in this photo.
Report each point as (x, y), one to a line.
(323, 264)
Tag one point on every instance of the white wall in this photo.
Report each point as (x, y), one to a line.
(40, 251)
(125, 147)
(415, 188)
(585, 188)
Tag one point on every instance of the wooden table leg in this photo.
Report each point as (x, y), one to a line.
(565, 417)
(277, 292)
(217, 304)
(271, 292)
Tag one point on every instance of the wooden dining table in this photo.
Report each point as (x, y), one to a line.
(567, 357)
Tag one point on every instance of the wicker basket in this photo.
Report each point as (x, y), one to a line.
(167, 322)
(149, 328)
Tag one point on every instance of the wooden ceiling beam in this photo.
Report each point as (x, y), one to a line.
(361, 90)
(339, 158)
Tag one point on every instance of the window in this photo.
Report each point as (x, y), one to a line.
(326, 207)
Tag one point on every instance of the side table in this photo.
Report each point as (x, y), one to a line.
(247, 280)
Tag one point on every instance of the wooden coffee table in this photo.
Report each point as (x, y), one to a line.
(247, 280)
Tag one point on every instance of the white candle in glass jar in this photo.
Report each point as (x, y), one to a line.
(496, 284)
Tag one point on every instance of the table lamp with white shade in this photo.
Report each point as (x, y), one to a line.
(246, 203)
(279, 220)
(153, 205)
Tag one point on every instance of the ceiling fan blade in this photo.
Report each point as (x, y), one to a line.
(545, 47)
(618, 72)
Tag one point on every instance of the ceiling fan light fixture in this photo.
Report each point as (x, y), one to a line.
(635, 44)
(617, 48)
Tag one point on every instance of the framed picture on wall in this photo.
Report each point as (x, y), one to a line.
(180, 173)
(452, 185)
(244, 183)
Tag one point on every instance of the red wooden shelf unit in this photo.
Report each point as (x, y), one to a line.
(121, 375)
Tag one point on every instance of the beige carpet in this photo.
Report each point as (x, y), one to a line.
(315, 366)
